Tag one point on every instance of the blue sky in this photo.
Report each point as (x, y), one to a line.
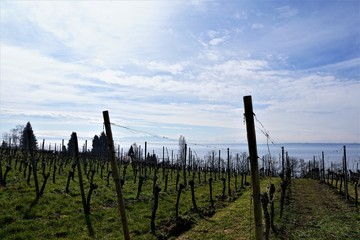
(182, 67)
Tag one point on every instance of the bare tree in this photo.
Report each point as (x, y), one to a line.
(182, 143)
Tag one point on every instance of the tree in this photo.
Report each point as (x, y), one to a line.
(4, 144)
(26, 135)
(104, 153)
(134, 152)
(182, 143)
(182, 155)
(15, 134)
(71, 145)
(99, 146)
(96, 146)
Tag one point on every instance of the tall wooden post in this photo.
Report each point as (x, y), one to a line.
(184, 166)
(34, 166)
(145, 160)
(251, 136)
(323, 165)
(345, 175)
(219, 165)
(283, 161)
(116, 175)
(228, 171)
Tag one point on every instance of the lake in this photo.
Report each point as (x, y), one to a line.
(333, 152)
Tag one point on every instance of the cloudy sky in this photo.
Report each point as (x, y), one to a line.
(182, 67)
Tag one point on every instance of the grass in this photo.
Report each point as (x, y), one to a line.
(58, 214)
(313, 210)
(233, 222)
(316, 211)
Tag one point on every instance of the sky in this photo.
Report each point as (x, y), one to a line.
(171, 68)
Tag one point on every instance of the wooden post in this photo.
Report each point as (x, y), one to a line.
(219, 169)
(145, 159)
(345, 175)
(34, 166)
(82, 191)
(282, 162)
(184, 167)
(163, 163)
(228, 171)
(323, 166)
(86, 203)
(115, 172)
(251, 136)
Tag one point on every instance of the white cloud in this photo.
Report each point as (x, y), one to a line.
(174, 69)
(217, 41)
(286, 11)
(257, 26)
(114, 65)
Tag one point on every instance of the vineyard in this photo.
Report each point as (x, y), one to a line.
(71, 194)
(59, 213)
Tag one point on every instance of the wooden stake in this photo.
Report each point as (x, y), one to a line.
(345, 175)
(251, 136)
(34, 166)
(323, 166)
(228, 171)
(115, 172)
(282, 162)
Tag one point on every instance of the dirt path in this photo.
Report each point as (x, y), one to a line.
(317, 212)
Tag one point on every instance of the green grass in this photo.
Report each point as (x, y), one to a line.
(60, 215)
(314, 210)
(233, 222)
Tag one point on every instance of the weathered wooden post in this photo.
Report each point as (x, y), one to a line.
(86, 204)
(211, 198)
(145, 167)
(323, 166)
(251, 136)
(345, 175)
(219, 169)
(184, 166)
(282, 162)
(34, 166)
(1, 176)
(163, 163)
(228, 171)
(115, 172)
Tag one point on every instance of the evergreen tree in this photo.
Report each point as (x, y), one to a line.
(71, 145)
(99, 146)
(103, 146)
(96, 146)
(26, 135)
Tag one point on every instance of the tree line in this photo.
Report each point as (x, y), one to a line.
(22, 137)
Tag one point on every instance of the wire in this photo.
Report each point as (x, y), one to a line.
(133, 130)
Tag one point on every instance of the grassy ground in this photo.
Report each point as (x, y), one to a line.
(233, 222)
(314, 211)
(58, 214)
